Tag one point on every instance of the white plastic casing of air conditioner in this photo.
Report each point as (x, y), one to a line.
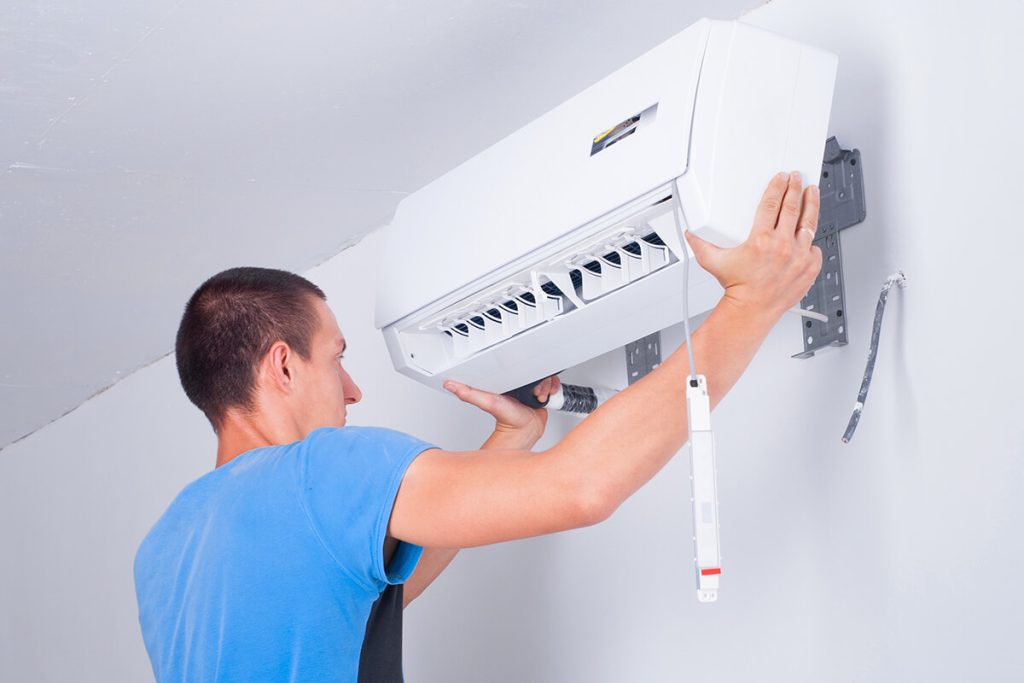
(558, 243)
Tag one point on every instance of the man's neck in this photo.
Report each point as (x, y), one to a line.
(238, 435)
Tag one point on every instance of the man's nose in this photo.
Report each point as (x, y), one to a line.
(352, 392)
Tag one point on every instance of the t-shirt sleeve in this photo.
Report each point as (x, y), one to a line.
(350, 477)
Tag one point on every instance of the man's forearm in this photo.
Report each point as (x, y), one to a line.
(631, 437)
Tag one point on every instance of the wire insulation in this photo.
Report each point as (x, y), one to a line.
(896, 278)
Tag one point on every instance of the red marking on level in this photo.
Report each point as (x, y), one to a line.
(706, 572)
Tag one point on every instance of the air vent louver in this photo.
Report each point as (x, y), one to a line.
(553, 285)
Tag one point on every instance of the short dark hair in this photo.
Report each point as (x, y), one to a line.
(229, 325)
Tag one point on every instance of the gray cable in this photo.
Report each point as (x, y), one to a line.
(676, 208)
(897, 278)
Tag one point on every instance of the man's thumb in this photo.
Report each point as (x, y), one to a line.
(707, 254)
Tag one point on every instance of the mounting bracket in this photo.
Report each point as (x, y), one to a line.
(842, 205)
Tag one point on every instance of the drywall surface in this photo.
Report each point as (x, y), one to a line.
(893, 558)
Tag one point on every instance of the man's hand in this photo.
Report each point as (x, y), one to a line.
(773, 269)
(516, 426)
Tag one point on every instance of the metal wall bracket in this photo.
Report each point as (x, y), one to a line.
(842, 205)
(642, 356)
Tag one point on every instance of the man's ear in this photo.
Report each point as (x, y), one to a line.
(279, 367)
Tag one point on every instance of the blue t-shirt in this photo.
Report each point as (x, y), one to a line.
(268, 568)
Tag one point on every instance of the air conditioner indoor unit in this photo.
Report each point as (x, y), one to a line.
(559, 243)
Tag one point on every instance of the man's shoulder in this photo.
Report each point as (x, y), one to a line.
(183, 505)
(358, 436)
(201, 496)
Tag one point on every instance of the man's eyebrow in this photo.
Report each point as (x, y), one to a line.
(344, 345)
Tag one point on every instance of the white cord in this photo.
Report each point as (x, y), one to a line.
(809, 314)
(676, 208)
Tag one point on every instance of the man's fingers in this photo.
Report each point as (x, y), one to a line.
(767, 214)
(807, 228)
(495, 403)
(457, 388)
(481, 399)
(545, 388)
(462, 391)
(789, 214)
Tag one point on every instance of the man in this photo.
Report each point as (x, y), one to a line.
(287, 562)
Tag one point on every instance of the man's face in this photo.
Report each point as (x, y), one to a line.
(327, 389)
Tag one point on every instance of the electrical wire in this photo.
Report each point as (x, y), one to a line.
(676, 209)
(808, 314)
(897, 278)
(577, 399)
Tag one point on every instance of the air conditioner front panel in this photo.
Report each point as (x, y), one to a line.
(545, 179)
(560, 242)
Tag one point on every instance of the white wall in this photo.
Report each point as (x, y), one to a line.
(893, 558)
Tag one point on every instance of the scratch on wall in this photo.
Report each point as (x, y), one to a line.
(21, 167)
(102, 78)
(755, 8)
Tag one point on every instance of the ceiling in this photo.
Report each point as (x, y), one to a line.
(147, 145)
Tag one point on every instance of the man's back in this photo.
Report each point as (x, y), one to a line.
(268, 567)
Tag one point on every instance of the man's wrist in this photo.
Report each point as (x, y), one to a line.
(511, 439)
(759, 315)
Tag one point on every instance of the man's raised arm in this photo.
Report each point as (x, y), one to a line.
(456, 500)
